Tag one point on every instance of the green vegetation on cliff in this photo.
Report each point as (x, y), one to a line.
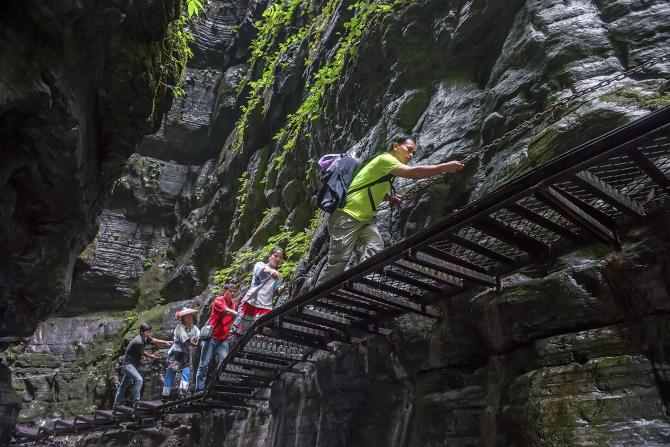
(632, 96)
(176, 48)
(273, 43)
(365, 13)
(290, 34)
(276, 18)
(294, 243)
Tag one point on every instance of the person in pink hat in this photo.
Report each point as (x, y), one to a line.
(185, 339)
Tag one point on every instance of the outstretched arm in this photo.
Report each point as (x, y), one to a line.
(160, 343)
(426, 171)
(229, 310)
(152, 356)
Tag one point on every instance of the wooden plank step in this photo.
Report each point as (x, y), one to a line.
(148, 404)
(104, 415)
(123, 409)
(64, 424)
(27, 432)
(83, 422)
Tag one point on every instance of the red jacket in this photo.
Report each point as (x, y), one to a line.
(219, 319)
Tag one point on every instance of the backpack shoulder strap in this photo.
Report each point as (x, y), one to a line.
(387, 178)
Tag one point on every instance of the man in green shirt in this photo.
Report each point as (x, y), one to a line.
(353, 226)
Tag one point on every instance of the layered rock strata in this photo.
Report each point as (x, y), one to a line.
(80, 85)
(573, 358)
(457, 75)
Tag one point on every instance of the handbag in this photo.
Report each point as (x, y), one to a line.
(206, 332)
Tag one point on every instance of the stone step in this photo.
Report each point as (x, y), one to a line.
(148, 404)
(26, 432)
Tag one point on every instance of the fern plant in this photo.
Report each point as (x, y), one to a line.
(194, 7)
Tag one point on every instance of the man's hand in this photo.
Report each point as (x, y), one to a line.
(152, 356)
(453, 166)
(229, 310)
(393, 200)
(275, 274)
(160, 343)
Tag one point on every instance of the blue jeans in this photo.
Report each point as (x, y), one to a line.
(177, 361)
(130, 375)
(212, 346)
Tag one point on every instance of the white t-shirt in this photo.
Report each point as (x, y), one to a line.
(182, 336)
(263, 287)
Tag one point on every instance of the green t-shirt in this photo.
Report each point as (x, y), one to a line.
(358, 203)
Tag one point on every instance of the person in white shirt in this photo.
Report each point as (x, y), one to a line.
(258, 300)
(186, 336)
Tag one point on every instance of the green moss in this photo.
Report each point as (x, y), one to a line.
(176, 48)
(150, 284)
(294, 243)
(176, 51)
(318, 27)
(541, 147)
(632, 96)
(242, 195)
(88, 255)
(276, 18)
(411, 110)
(550, 423)
(154, 316)
(268, 49)
(365, 13)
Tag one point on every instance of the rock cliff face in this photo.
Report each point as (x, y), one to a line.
(573, 355)
(573, 358)
(570, 356)
(68, 366)
(80, 84)
(74, 104)
(125, 266)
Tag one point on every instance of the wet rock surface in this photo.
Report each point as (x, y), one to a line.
(73, 107)
(574, 355)
(467, 379)
(79, 88)
(133, 255)
(63, 368)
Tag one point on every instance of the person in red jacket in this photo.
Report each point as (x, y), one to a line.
(221, 317)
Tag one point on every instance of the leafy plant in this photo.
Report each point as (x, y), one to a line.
(194, 7)
(276, 17)
(258, 86)
(242, 194)
(365, 11)
(294, 243)
(176, 51)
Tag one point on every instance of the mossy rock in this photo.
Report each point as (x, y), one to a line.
(154, 316)
(271, 221)
(411, 109)
(543, 146)
(150, 285)
(36, 360)
(631, 96)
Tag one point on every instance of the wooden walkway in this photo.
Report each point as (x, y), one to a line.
(589, 194)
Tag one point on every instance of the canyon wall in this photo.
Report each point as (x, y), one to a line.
(571, 354)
